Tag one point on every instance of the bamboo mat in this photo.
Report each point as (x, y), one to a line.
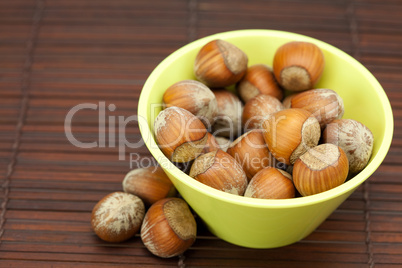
(57, 54)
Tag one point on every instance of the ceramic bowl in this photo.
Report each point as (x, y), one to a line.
(262, 223)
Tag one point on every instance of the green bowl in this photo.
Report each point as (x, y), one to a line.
(262, 223)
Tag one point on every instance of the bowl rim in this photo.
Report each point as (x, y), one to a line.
(346, 187)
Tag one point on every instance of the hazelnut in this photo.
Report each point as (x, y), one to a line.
(117, 217)
(223, 143)
(271, 183)
(180, 135)
(194, 97)
(320, 169)
(215, 143)
(251, 152)
(325, 104)
(290, 133)
(169, 228)
(298, 65)
(355, 139)
(257, 109)
(287, 101)
(228, 119)
(219, 170)
(220, 64)
(259, 79)
(211, 145)
(149, 183)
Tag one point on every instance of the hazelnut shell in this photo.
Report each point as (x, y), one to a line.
(320, 169)
(211, 144)
(271, 183)
(224, 143)
(251, 152)
(149, 183)
(325, 104)
(194, 97)
(290, 133)
(180, 135)
(227, 122)
(169, 228)
(257, 109)
(259, 79)
(219, 170)
(355, 139)
(220, 64)
(117, 217)
(298, 66)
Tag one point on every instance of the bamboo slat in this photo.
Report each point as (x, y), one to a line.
(57, 54)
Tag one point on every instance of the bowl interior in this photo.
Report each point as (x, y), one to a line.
(363, 97)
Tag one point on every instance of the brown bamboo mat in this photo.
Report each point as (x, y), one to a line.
(56, 54)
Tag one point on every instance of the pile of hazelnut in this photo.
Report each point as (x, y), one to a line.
(233, 130)
(148, 204)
